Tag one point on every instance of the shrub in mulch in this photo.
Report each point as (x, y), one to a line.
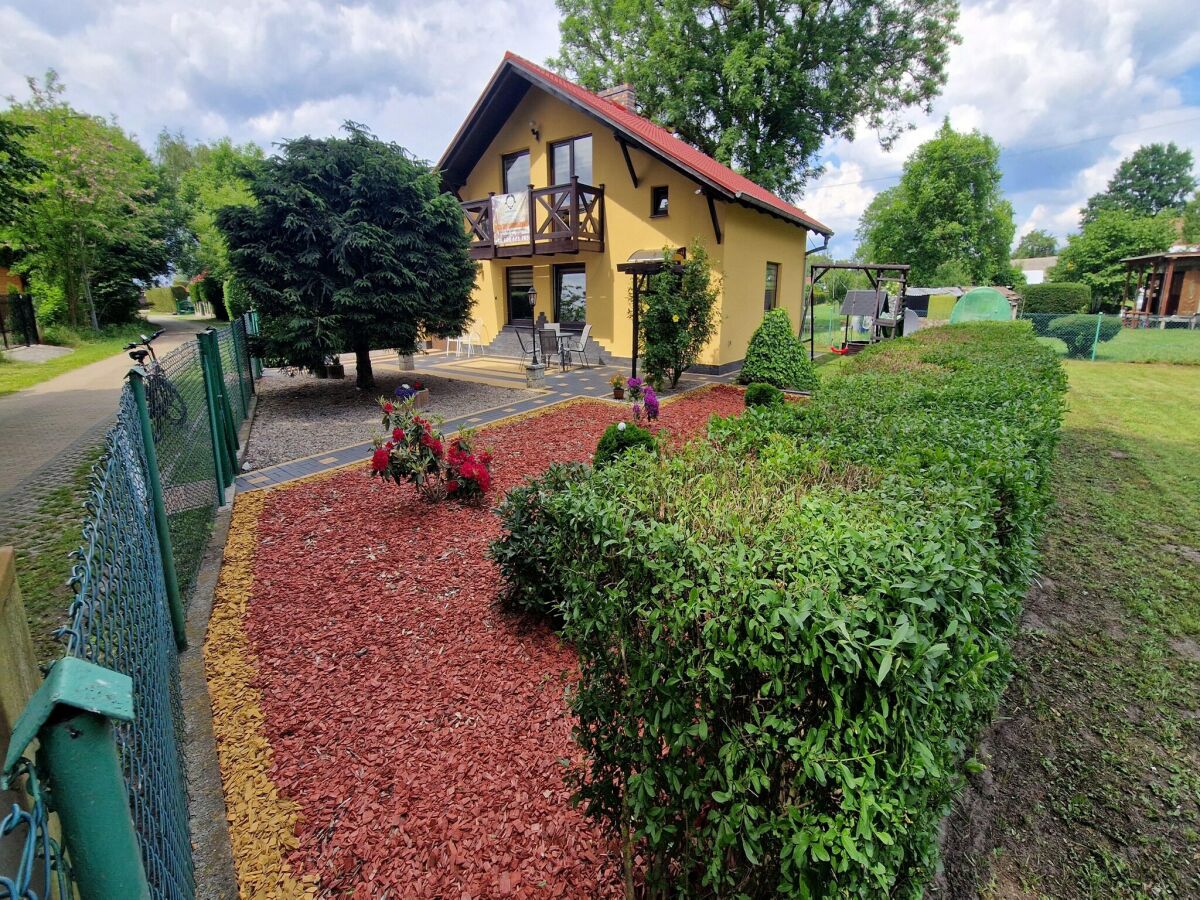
(414, 450)
(421, 729)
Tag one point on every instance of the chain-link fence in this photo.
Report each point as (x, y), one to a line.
(149, 511)
(1117, 338)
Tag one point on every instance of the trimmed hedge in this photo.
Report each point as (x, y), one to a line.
(618, 440)
(1056, 297)
(790, 636)
(763, 395)
(776, 356)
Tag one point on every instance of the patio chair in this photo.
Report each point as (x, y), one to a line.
(528, 351)
(550, 346)
(577, 344)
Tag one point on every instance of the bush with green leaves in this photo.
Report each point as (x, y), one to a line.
(760, 394)
(524, 555)
(1080, 333)
(790, 635)
(777, 356)
(677, 317)
(1055, 297)
(618, 440)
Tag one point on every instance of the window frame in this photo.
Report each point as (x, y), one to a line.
(666, 189)
(561, 269)
(504, 157)
(508, 286)
(766, 282)
(568, 141)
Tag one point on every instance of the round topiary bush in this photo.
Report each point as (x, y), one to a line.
(777, 357)
(763, 395)
(618, 439)
(1079, 332)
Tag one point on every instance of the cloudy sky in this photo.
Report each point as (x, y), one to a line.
(1067, 87)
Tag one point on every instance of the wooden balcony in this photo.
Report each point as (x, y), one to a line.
(564, 218)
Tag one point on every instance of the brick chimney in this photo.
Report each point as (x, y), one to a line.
(622, 95)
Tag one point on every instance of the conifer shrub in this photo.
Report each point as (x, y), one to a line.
(619, 439)
(777, 357)
(763, 395)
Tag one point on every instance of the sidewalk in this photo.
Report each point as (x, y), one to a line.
(47, 429)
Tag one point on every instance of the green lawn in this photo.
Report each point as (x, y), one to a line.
(1173, 345)
(1093, 780)
(16, 376)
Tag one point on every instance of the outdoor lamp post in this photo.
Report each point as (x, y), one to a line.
(532, 298)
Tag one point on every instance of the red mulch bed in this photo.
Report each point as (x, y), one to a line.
(421, 728)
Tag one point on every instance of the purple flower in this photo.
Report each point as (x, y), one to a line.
(651, 400)
(635, 383)
(637, 411)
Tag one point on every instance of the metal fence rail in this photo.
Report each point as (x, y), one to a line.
(149, 510)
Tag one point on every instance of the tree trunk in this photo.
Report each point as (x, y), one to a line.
(362, 363)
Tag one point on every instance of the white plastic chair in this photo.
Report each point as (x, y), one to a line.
(577, 345)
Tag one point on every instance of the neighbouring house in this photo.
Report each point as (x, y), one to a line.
(561, 186)
(11, 282)
(1036, 267)
(1168, 284)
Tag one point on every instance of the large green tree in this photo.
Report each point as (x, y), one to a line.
(1191, 220)
(761, 85)
(93, 227)
(1036, 243)
(947, 217)
(351, 245)
(17, 170)
(1154, 178)
(1094, 255)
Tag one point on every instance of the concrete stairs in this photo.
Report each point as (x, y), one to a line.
(506, 344)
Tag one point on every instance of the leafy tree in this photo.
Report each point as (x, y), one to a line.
(1036, 243)
(351, 245)
(760, 86)
(1156, 177)
(93, 225)
(17, 169)
(947, 216)
(1191, 220)
(1094, 256)
(677, 317)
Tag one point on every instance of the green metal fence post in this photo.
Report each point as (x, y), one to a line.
(1096, 336)
(215, 426)
(208, 342)
(137, 382)
(71, 716)
(256, 363)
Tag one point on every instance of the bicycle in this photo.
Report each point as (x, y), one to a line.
(166, 404)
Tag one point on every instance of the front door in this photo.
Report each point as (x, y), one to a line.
(518, 281)
(570, 296)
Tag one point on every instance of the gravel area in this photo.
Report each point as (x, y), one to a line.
(301, 415)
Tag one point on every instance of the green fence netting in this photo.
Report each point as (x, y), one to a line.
(119, 619)
(235, 366)
(1107, 337)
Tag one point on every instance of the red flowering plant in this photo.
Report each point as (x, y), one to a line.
(413, 449)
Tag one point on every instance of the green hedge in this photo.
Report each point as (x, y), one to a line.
(1055, 297)
(776, 356)
(763, 395)
(790, 637)
(619, 439)
(1080, 332)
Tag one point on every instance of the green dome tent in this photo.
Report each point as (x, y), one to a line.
(982, 304)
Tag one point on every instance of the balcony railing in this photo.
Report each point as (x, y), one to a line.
(563, 218)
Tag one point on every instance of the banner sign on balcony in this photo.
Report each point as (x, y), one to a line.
(510, 219)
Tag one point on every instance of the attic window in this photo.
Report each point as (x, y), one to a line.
(658, 201)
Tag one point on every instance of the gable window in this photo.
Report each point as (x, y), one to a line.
(570, 295)
(771, 292)
(571, 158)
(516, 171)
(658, 201)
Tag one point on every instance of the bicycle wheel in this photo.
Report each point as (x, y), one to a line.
(167, 406)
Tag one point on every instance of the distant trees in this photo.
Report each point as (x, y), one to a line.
(947, 217)
(1094, 256)
(92, 226)
(760, 86)
(350, 245)
(1155, 178)
(1191, 220)
(1036, 243)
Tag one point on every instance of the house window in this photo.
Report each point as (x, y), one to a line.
(771, 293)
(570, 295)
(518, 281)
(658, 201)
(571, 158)
(516, 171)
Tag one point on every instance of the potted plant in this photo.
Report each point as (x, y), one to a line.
(334, 367)
(618, 386)
(415, 393)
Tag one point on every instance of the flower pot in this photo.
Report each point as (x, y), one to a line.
(320, 371)
(618, 393)
(336, 370)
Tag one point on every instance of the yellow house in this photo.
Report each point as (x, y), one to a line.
(561, 186)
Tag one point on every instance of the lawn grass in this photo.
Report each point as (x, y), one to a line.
(1172, 345)
(16, 376)
(1093, 780)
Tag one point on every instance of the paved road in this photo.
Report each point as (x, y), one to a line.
(46, 429)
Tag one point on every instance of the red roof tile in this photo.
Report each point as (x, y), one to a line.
(669, 146)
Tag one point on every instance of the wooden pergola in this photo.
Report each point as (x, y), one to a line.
(876, 273)
(642, 265)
